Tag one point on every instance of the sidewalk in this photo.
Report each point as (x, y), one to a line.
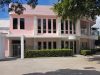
(77, 65)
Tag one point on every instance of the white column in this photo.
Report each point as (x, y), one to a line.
(89, 28)
(69, 44)
(22, 47)
(78, 27)
(2, 44)
(73, 47)
(58, 26)
(90, 43)
(58, 43)
(79, 46)
(35, 25)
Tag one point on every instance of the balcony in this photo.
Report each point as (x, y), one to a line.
(84, 32)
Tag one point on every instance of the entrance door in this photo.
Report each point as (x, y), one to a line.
(73, 46)
(16, 48)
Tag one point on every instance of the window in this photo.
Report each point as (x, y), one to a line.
(54, 45)
(44, 25)
(54, 25)
(15, 23)
(74, 28)
(62, 44)
(66, 26)
(70, 27)
(66, 44)
(62, 26)
(49, 25)
(71, 44)
(22, 23)
(39, 25)
(39, 45)
(49, 45)
(44, 45)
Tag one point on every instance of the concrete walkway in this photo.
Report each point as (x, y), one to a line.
(78, 65)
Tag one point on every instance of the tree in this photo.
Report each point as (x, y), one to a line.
(75, 9)
(17, 5)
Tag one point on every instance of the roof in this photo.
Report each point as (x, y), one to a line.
(4, 23)
(39, 10)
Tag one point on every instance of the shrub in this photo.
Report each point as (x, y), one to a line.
(93, 51)
(85, 52)
(97, 49)
(48, 53)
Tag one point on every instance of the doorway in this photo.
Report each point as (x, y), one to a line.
(73, 46)
(16, 48)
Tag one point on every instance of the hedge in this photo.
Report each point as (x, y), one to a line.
(97, 49)
(85, 52)
(93, 51)
(48, 53)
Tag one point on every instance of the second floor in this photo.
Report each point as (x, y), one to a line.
(49, 25)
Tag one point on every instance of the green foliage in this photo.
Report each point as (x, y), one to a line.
(75, 9)
(85, 52)
(93, 51)
(97, 49)
(48, 53)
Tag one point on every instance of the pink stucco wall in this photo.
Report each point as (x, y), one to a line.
(28, 25)
(6, 48)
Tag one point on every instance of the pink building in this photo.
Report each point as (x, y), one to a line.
(41, 28)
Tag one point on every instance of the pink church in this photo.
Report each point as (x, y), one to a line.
(41, 28)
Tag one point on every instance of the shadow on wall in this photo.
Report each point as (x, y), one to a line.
(68, 72)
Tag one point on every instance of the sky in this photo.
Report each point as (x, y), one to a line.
(4, 13)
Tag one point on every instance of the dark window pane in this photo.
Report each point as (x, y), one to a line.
(22, 23)
(49, 25)
(62, 32)
(39, 45)
(66, 44)
(15, 41)
(70, 25)
(39, 31)
(49, 45)
(70, 32)
(74, 27)
(62, 44)
(71, 44)
(44, 45)
(54, 45)
(44, 25)
(39, 25)
(15, 23)
(62, 25)
(54, 25)
(66, 25)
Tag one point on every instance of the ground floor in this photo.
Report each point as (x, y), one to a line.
(78, 65)
(17, 45)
